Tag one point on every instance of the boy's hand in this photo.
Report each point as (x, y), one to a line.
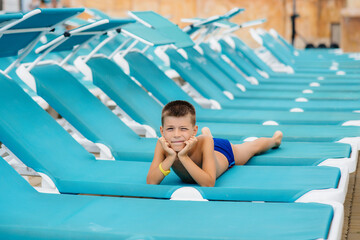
(166, 146)
(188, 145)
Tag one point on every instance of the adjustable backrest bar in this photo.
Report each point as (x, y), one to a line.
(19, 37)
(76, 38)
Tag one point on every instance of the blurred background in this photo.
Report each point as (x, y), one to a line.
(318, 22)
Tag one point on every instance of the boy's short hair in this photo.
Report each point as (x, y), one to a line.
(178, 108)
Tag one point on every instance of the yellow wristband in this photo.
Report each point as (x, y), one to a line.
(163, 171)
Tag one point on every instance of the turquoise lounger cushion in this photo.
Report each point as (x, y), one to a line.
(313, 152)
(166, 90)
(240, 61)
(209, 90)
(308, 133)
(87, 114)
(53, 151)
(32, 215)
(270, 84)
(213, 72)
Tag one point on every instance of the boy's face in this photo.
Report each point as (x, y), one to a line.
(177, 130)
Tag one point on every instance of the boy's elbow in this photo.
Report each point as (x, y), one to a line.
(210, 183)
(149, 180)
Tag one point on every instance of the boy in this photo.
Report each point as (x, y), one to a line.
(199, 159)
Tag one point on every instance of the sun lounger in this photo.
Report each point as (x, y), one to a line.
(11, 131)
(103, 70)
(313, 53)
(29, 214)
(285, 82)
(55, 153)
(208, 89)
(99, 125)
(299, 65)
(159, 84)
(243, 51)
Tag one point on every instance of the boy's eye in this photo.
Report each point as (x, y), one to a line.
(184, 129)
(169, 129)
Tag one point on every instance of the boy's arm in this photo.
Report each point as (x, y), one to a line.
(155, 176)
(205, 176)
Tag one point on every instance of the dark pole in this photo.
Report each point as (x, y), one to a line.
(293, 18)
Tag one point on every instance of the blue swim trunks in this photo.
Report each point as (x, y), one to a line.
(224, 146)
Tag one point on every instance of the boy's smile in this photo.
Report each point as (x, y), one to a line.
(177, 130)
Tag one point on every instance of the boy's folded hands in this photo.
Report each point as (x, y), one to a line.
(166, 146)
(189, 144)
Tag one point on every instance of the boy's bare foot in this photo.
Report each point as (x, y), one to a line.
(206, 131)
(278, 135)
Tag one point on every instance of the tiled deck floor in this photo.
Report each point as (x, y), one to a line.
(351, 229)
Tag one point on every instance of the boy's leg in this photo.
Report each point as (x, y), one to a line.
(243, 152)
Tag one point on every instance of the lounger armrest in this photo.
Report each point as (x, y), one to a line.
(87, 144)
(140, 129)
(228, 39)
(26, 77)
(351, 123)
(159, 51)
(290, 70)
(83, 68)
(252, 80)
(105, 152)
(150, 132)
(208, 103)
(47, 185)
(262, 73)
(241, 87)
(124, 65)
(255, 35)
(279, 68)
(229, 95)
(81, 65)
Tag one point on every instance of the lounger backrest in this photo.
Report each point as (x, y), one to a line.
(216, 58)
(194, 76)
(239, 60)
(285, 43)
(211, 71)
(271, 46)
(277, 46)
(80, 107)
(250, 55)
(137, 103)
(34, 136)
(153, 79)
